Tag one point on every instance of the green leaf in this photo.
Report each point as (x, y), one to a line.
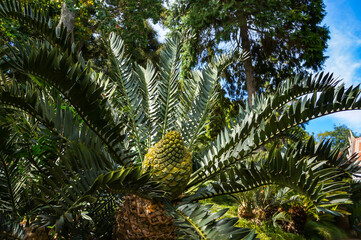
(197, 222)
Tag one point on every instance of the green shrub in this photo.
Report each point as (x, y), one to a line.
(323, 230)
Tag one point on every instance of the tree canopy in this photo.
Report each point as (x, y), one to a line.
(339, 136)
(88, 19)
(283, 37)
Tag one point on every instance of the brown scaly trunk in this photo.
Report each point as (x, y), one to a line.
(244, 212)
(298, 220)
(140, 218)
(32, 233)
(246, 46)
(67, 18)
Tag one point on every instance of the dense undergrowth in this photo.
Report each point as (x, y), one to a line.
(324, 229)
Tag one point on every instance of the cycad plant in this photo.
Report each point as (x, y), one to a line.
(128, 138)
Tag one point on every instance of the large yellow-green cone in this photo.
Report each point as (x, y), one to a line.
(170, 163)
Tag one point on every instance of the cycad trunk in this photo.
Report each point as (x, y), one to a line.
(35, 233)
(139, 218)
(171, 165)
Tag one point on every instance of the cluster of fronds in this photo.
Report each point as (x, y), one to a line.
(88, 133)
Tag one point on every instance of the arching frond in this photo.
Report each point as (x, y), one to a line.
(235, 144)
(12, 179)
(199, 97)
(127, 180)
(37, 19)
(195, 221)
(78, 86)
(302, 168)
(291, 89)
(335, 157)
(103, 214)
(268, 105)
(130, 97)
(200, 112)
(54, 115)
(149, 86)
(65, 191)
(168, 86)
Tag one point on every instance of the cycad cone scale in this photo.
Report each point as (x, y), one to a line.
(170, 163)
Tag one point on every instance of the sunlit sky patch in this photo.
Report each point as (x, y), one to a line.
(344, 51)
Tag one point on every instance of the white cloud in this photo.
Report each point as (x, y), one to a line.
(168, 3)
(352, 119)
(161, 31)
(343, 61)
(344, 49)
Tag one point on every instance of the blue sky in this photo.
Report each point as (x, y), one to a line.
(344, 50)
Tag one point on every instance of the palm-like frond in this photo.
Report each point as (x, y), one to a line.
(307, 173)
(168, 86)
(195, 221)
(79, 87)
(127, 180)
(148, 87)
(103, 214)
(60, 120)
(36, 18)
(246, 136)
(198, 99)
(67, 184)
(15, 195)
(12, 180)
(335, 157)
(102, 124)
(130, 96)
(196, 120)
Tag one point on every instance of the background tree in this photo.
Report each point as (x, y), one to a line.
(339, 136)
(283, 38)
(130, 19)
(136, 30)
(11, 29)
(90, 18)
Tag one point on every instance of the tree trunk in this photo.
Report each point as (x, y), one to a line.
(246, 46)
(140, 218)
(67, 18)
